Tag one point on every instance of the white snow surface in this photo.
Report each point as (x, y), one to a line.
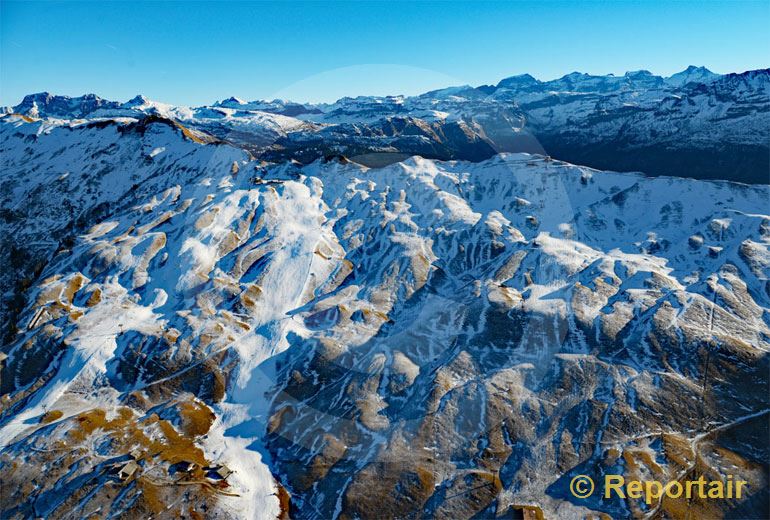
(289, 236)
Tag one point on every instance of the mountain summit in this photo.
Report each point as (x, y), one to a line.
(692, 74)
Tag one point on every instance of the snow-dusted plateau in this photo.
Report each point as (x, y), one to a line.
(440, 306)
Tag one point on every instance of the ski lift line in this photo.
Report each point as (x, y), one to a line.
(201, 360)
(708, 359)
(194, 365)
(694, 447)
(175, 374)
(92, 336)
(461, 493)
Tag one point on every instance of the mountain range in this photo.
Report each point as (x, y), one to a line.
(440, 306)
(694, 123)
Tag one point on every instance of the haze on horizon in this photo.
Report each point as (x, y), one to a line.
(197, 53)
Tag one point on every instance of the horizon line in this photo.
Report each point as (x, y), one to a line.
(466, 85)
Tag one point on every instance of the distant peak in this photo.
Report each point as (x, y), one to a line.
(45, 104)
(519, 79)
(47, 96)
(522, 77)
(232, 100)
(137, 100)
(692, 74)
(37, 96)
(638, 73)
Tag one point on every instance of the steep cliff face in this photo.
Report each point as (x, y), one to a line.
(437, 339)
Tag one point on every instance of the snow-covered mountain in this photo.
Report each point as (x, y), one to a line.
(694, 123)
(193, 330)
(692, 74)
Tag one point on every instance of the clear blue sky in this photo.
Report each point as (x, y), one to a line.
(195, 53)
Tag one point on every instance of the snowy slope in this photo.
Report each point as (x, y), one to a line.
(493, 305)
(305, 295)
(370, 339)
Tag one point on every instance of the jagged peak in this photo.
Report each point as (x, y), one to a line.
(139, 99)
(38, 95)
(694, 68)
(233, 100)
(47, 96)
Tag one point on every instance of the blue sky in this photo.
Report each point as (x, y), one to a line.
(195, 53)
